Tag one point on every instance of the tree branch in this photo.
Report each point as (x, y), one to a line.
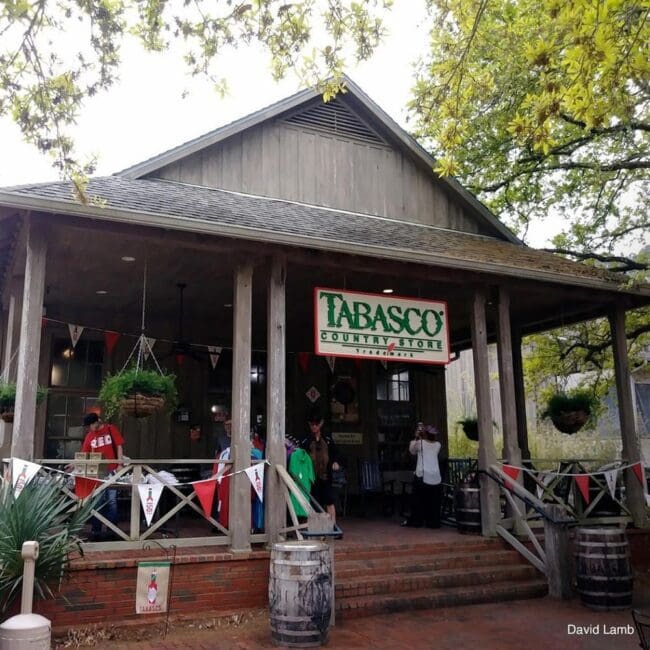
(627, 264)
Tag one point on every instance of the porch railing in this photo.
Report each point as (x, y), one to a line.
(165, 527)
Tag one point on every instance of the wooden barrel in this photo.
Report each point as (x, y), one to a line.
(467, 504)
(604, 574)
(300, 593)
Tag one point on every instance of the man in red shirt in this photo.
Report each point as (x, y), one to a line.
(105, 439)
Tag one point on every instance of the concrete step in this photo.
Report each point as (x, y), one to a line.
(401, 583)
(354, 607)
(398, 564)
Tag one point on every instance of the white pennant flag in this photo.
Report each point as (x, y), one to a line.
(384, 363)
(545, 479)
(256, 477)
(148, 347)
(75, 333)
(610, 477)
(215, 352)
(22, 472)
(149, 497)
(330, 362)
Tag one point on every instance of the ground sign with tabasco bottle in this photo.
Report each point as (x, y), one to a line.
(152, 588)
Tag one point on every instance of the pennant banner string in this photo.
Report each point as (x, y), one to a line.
(532, 472)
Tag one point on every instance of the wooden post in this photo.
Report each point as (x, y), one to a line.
(520, 393)
(634, 491)
(511, 451)
(11, 339)
(22, 443)
(275, 398)
(490, 514)
(240, 449)
(558, 562)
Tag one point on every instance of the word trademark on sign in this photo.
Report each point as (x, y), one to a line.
(377, 326)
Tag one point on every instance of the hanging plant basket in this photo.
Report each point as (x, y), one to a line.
(137, 392)
(8, 399)
(7, 416)
(470, 428)
(569, 412)
(138, 405)
(570, 421)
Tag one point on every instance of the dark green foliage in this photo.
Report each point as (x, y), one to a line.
(147, 382)
(574, 400)
(41, 513)
(8, 394)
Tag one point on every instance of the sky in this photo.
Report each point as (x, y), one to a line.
(145, 113)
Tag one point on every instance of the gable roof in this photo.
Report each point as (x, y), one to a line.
(381, 124)
(191, 208)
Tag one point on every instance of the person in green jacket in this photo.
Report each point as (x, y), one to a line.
(301, 469)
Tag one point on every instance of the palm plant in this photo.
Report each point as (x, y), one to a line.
(45, 514)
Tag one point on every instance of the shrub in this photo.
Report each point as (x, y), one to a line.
(41, 513)
(8, 395)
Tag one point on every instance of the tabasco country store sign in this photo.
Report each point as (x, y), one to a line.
(379, 326)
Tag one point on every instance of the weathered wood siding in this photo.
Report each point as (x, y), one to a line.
(286, 161)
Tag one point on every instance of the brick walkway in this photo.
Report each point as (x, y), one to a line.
(539, 624)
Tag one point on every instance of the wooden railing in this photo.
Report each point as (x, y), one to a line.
(165, 526)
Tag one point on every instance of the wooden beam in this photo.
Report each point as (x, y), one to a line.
(634, 492)
(22, 443)
(275, 397)
(240, 489)
(489, 490)
(558, 557)
(511, 451)
(520, 393)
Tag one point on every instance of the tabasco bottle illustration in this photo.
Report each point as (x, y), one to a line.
(152, 590)
(258, 482)
(21, 480)
(148, 508)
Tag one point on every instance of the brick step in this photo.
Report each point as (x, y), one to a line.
(354, 607)
(410, 582)
(394, 564)
(473, 543)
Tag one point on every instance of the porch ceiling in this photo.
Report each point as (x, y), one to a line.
(85, 257)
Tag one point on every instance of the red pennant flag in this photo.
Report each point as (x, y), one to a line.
(583, 484)
(637, 468)
(44, 322)
(180, 358)
(303, 360)
(84, 487)
(512, 472)
(357, 363)
(110, 339)
(205, 493)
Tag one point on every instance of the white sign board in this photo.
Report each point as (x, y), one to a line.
(379, 326)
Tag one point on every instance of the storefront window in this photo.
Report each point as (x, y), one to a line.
(394, 386)
(75, 379)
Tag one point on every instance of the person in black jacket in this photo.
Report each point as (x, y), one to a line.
(325, 457)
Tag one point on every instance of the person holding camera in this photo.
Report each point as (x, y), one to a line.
(427, 481)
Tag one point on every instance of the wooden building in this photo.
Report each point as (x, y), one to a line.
(251, 218)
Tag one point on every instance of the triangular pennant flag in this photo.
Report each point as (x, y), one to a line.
(303, 360)
(512, 472)
(582, 481)
(22, 472)
(637, 468)
(546, 479)
(110, 339)
(215, 352)
(180, 359)
(205, 492)
(610, 478)
(149, 342)
(44, 322)
(384, 363)
(256, 477)
(330, 362)
(149, 497)
(75, 333)
(84, 487)
(357, 363)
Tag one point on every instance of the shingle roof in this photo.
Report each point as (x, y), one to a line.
(195, 208)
